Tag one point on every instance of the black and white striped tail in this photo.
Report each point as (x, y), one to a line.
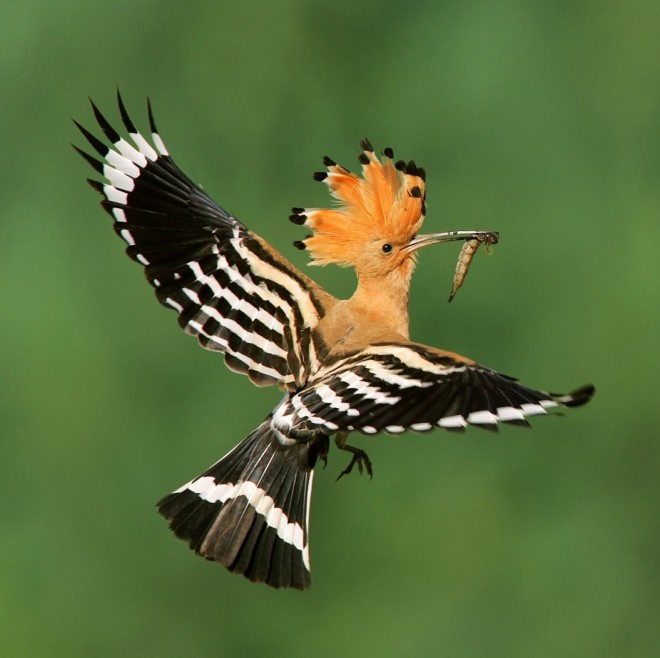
(250, 510)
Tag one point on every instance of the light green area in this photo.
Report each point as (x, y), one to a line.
(537, 119)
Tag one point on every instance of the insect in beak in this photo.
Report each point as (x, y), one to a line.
(488, 237)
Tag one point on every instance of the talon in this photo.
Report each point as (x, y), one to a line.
(360, 458)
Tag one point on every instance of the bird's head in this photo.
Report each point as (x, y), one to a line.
(375, 224)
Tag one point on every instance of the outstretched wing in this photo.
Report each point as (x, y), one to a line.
(230, 289)
(395, 387)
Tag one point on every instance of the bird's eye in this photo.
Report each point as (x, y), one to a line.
(387, 248)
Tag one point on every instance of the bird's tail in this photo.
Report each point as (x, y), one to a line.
(250, 510)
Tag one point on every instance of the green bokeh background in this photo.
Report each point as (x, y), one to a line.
(537, 119)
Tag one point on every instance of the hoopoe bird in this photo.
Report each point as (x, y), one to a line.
(344, 365)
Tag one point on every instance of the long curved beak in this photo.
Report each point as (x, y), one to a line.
(488, 237)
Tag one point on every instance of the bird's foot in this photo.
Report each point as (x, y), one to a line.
(360, 457)
(362, 460)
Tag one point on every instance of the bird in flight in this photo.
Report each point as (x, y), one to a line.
(344, 365)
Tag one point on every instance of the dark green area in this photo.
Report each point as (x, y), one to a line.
(537, 119)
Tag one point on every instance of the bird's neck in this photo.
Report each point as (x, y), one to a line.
(384, 300)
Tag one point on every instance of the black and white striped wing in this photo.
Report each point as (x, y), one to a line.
(230, 289)
(405, 386)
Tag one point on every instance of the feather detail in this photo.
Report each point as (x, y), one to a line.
(386, 203)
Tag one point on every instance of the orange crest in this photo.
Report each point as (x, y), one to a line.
(386, 204)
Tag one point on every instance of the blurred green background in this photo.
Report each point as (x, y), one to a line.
(537, 119)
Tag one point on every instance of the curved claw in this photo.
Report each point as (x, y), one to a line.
(360, 457)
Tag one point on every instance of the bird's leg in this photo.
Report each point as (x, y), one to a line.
(360, 457)
(323, 451)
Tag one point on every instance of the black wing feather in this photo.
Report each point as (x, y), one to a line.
(230, 291)
(401, 386)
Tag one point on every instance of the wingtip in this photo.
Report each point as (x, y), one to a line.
(96, 143)
(96, 164)
(130, 126)
(107, 129)
(152, 122)
(578, 397)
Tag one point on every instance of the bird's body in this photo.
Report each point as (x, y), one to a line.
(344, 365)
